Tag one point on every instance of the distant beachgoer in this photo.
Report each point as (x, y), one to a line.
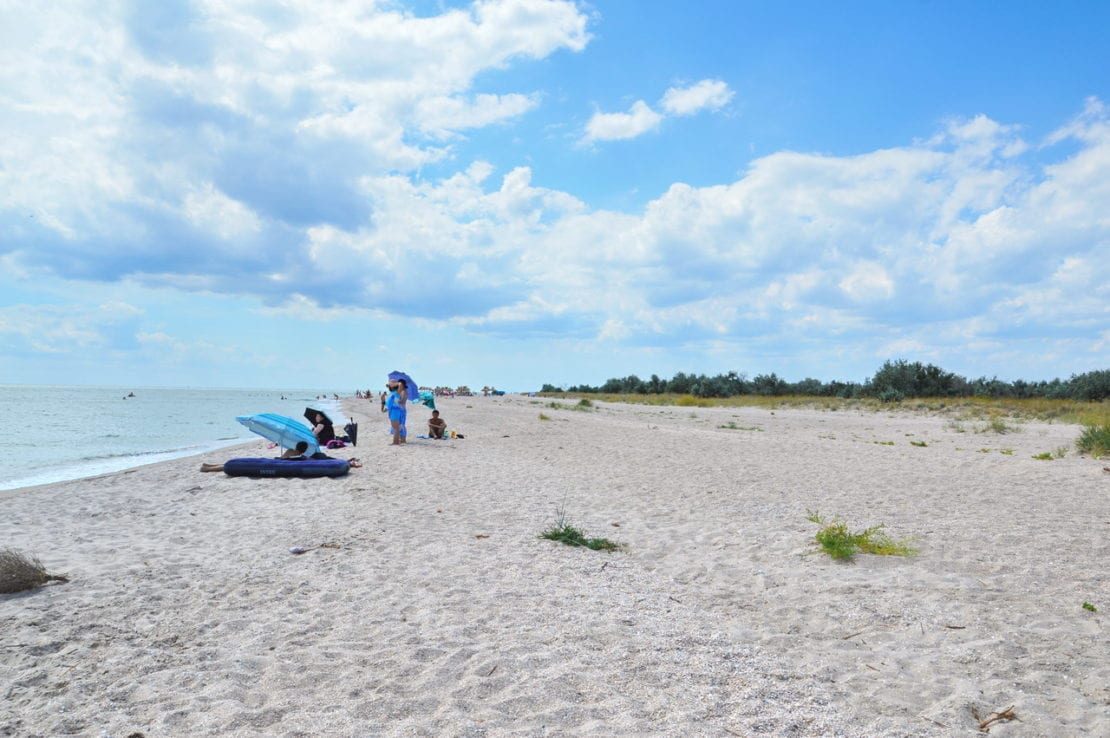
(436, 425)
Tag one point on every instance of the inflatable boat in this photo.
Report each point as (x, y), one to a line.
(286, 467)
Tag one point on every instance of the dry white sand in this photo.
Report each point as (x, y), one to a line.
(440, 613)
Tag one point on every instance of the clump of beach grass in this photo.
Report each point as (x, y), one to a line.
(995, 425)
(561, 530)
(19, 572)
(544, 417)
(691, 401)
(583, 406)
(1094, 440)
(840, 543)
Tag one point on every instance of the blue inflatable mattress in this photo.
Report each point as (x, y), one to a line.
(286, 467)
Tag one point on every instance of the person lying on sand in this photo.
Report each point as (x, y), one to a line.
(296, 453)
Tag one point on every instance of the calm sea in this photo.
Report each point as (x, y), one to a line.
(54, 433)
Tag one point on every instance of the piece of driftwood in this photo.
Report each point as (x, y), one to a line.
(19, 572)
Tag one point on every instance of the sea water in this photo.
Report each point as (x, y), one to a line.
(52, 433)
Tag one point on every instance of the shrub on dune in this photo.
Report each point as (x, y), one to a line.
(1095, 440)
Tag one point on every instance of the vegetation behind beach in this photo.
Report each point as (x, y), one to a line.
(1082, 398)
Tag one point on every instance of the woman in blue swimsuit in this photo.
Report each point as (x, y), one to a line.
(398, 413)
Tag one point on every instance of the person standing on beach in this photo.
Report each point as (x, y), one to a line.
(395, 406)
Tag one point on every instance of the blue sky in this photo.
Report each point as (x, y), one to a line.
(514, 192)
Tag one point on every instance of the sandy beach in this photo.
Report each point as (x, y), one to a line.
(430, 607)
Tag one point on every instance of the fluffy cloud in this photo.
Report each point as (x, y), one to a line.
(113, 129)
(443, 115)
(52, 329)
(954, 240)
(619, 126)
(709, 94)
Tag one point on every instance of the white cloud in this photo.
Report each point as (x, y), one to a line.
(60, 329)
(620, 126)
(708, 94)
(100, 107)
(925, 235)
(208, 208)
(868, 282)
(442, 115)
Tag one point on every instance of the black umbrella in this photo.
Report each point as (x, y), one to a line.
(310, 413)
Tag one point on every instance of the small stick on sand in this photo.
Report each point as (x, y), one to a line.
(298, 550)
(1007, 714)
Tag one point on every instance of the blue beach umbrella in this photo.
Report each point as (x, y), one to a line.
(411, 387)
(283, 431)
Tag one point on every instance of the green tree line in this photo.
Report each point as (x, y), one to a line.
(895, 380)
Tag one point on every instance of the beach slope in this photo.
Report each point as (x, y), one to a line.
(427, 605)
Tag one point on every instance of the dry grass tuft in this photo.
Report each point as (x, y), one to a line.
(19, 572)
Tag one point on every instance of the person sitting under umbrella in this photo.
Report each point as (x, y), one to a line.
(323, 429)
(296, 453)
